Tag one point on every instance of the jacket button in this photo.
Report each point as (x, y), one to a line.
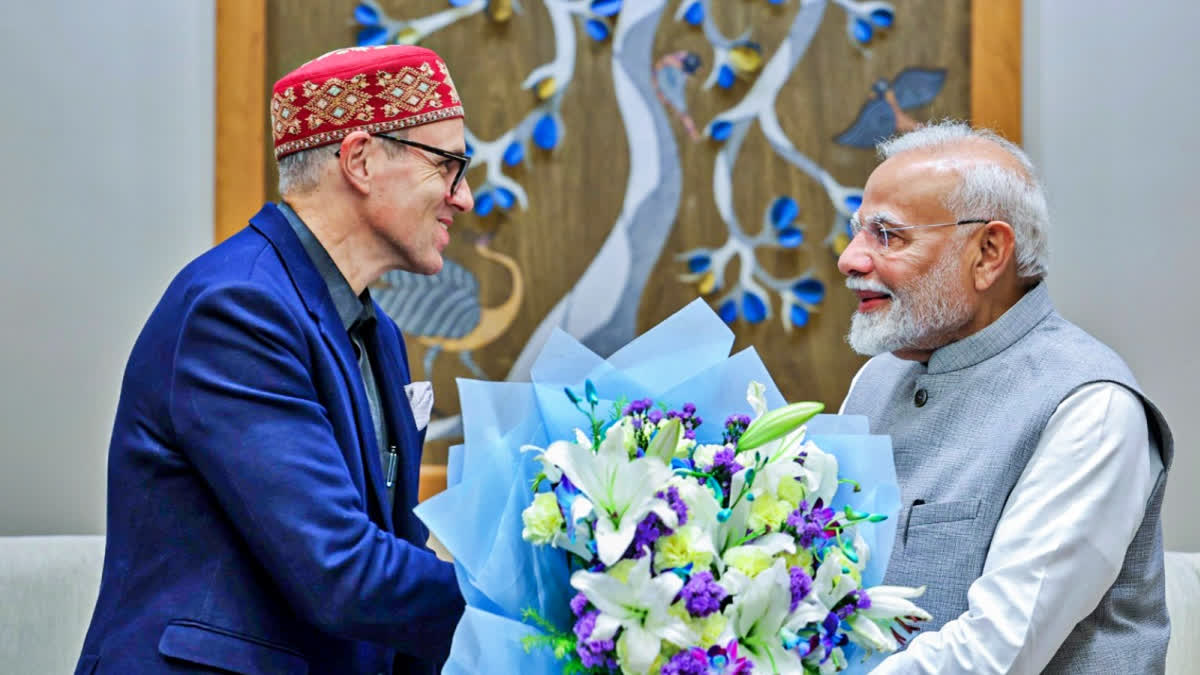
(920, 398)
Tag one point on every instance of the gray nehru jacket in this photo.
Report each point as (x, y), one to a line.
(357, 313)
(963, 428)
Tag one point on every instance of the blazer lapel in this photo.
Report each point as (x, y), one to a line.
(364, 460)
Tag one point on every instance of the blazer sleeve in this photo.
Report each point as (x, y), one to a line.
(246, 413)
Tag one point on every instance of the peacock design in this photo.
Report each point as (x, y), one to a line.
(443, 312)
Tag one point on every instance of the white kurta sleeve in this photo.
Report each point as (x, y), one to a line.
(1059, 544)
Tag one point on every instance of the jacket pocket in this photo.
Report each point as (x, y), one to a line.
(206, 645)
(942, 512)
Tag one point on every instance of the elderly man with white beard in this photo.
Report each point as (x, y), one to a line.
(1031, 465)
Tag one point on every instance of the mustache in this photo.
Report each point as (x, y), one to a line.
(860, 284)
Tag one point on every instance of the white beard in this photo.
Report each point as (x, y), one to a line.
(920, 316)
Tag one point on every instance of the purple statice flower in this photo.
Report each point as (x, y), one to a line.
(702, 595)
(688, 418)
(692, 661)
(735, 426)
(637, 423)
(854, 601)
(637, 408)
(675, 502)
(654, 416)
(578, 604)
(801, 586)
(724, 461)
(809, 525)
(648, 532)
(593, 653)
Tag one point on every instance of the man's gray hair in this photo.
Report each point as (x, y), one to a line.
(989, 190)
(300, 172)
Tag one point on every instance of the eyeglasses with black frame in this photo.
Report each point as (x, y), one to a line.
(464, 161)
(878, 231)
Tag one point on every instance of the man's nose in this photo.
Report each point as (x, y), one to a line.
(856, 260)
(463, 199)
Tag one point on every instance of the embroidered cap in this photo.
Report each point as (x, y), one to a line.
(376, 89)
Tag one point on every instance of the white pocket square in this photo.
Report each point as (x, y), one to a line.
(420, 399)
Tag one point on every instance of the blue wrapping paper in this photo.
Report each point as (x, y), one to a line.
(478, 517)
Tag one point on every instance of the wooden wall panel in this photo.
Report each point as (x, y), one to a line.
(241, 112)
(576, 192)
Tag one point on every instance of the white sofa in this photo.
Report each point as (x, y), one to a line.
(48, 586)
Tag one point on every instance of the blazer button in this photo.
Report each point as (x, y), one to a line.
(920, 398)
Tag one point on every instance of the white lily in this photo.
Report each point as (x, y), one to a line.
(888, 603)
(619, 490)
(829, 587)
(639, 606)
(756, 617)
(820, 473)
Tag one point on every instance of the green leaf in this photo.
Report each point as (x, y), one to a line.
(778, 423)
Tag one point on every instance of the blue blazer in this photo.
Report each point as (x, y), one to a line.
(246, 527)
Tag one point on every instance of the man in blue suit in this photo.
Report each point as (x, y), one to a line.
(265, 454)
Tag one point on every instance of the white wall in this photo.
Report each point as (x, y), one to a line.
(106, 135)
(1110, 96)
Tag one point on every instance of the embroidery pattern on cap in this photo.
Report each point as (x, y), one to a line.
(284, 114)
(338, 101)
(409, 90)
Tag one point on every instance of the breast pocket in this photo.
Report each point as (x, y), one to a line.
(942, 512)
(944, 550)
(205, 645)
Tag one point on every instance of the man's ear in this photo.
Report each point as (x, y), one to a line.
(997, 244)
(352, 161)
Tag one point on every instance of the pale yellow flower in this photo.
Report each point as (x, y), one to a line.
(543, 521)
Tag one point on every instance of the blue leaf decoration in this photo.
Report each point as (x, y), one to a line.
(728, 311)
(504, 198)
(545, 133)
(694, 14)
(371, 36)
(798, 315)
(484, 203)
(811, 291)
(753, 307)
(514, 154)
(606, 7)
(883, 17)
(853, 202)
(597, 30)
(721, 130)
(862, 31)
(784, 211)
(699, 263)
(366, 15)
(725, 76)
(790, 237)
(470, 151)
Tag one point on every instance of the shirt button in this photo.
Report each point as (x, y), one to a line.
(920, 398)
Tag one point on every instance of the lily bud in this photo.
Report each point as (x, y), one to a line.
(778, 423)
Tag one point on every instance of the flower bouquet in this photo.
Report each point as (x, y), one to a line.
(594, 535)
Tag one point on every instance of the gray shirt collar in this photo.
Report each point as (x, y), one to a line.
(995, 338)
(351, 308)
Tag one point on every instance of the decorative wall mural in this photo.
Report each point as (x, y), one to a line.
(629, 156)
